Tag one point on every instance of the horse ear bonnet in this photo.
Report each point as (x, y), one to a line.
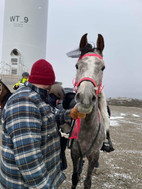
(74, 53)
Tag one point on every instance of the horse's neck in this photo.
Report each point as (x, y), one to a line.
(90, 125)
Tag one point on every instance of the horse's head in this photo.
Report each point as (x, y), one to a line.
(4, 94)
(89, 74)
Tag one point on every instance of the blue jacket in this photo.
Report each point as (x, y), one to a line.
(30, 141)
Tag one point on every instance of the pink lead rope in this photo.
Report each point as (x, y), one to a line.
(76, 127)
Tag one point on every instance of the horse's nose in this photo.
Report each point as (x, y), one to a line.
(85, 99)
(77, 98)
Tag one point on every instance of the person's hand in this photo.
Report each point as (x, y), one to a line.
(74, 113)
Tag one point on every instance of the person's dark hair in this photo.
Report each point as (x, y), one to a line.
(25, 74)
(69, 101)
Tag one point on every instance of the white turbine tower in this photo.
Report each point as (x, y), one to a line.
(24, 36)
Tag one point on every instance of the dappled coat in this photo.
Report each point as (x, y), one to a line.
(30, 141)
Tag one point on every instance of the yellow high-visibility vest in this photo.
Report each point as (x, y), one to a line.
(21, 81)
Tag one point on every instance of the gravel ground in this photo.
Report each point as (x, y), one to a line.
(121, 169)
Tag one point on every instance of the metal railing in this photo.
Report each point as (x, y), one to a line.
(6, 69)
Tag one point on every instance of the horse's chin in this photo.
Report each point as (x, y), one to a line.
(83, 109)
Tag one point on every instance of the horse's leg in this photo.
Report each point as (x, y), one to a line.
(92, 162)
(109, 141)
(75, 175)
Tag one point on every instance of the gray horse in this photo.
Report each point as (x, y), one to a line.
(88, 83)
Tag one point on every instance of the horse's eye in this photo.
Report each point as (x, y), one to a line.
(76, 66)
(103, 68)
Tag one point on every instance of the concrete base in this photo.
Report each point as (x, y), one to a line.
(10, 80)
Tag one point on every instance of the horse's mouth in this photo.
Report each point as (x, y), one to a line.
(83, 108)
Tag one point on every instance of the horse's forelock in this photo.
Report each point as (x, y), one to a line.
(86, 49)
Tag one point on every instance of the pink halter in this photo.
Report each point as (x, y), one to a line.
(100, 88)
(90, 55)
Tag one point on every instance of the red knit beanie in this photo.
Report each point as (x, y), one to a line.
(42, 73)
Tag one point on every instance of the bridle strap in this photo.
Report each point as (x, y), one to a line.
(90, 55)
(99, 89)
(87, 79)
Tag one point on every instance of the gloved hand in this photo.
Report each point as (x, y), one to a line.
(74, 113)
(16, 87)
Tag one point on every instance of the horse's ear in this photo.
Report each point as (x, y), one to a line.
(83, 41)
(100, 43)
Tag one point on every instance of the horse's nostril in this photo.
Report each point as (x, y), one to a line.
(93, 99)
(77, 97)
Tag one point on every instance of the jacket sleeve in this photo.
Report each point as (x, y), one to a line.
(24, 127)
(62, 117)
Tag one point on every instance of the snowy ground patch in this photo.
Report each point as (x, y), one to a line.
(114, 120)
(122, 114)
(113, 123)
(116, 117)
(135, 115)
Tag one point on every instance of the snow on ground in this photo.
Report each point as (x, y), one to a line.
(130, 118)
(135, 115)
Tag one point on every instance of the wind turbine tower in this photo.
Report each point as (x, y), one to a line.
(24, 35)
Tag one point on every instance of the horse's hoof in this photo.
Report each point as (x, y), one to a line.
(73, 187)
(110, 149)
(107, 148)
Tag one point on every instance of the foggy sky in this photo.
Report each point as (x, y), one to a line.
(119, 21)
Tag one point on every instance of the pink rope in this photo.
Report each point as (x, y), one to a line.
(76, 127)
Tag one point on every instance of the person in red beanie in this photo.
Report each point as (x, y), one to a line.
(30, 139)
(42, 73)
